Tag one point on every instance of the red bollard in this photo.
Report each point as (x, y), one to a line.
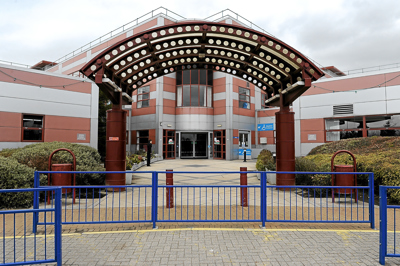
(170, 192)
(243, 191)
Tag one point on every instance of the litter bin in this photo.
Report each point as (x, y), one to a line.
(345, 180)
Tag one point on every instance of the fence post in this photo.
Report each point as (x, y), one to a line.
(382, 224)
(243, 190)
(36, 184)
(154, 195)
(57, 226)
(263, 184)
(170, 192)
(371, 200)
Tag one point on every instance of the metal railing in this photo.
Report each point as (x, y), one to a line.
(14, 64)
(215, 203)
(161, 10)
(387, 240)
(21, 244)
(371, 69)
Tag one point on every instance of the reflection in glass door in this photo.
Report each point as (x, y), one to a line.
(194, 145)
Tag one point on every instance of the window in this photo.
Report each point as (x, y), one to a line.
(194, 88)
(264, 97)
(143, 97)
(362, 126)
(32, 128)
(142, 137)
(244, 98)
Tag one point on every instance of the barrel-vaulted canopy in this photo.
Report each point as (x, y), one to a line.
(272, 65)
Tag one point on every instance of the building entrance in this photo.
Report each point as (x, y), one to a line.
(194, 145)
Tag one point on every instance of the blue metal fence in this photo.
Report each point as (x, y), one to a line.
(20, 244)
(387, 240)
(216, 203)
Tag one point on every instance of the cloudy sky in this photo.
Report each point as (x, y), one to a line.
(348, 34)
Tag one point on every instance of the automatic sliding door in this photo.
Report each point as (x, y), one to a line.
(200, 145)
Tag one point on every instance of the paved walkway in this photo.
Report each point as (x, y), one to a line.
(212, 243)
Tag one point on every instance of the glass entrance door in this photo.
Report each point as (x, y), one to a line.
(194, 145)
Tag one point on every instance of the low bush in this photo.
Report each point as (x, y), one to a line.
(36, 156)
(133, 159)
(265, 160)
(14, 175)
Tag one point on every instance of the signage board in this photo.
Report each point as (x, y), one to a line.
(248, 152)
(265, 127)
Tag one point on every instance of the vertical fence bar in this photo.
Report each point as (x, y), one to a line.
(371, 200)
(154, 197)
(382, 224)
(263, 189)
(57, 227)
(36, 184)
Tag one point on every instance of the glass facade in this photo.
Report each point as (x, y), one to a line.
(194, 88)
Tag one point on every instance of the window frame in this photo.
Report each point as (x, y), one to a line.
(264, 97)
(364, 129)
(32, 128)
(246, 95)
(195, 86)
(138, 138)
(145, 100)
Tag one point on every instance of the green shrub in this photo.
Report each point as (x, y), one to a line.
(14, 175)
(36, 156)
(265, 160)
(131, 160)
(303, 164)
(8, 152)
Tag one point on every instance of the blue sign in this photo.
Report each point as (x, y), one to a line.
(265, 127)
(235, 137)
(248, 152)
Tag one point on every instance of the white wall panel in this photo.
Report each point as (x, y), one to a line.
(369, 108)
(316, 112)
(169, 95)
(393, 92)
(19, 91)
(219, 96)
(339, 98)
(393, 106)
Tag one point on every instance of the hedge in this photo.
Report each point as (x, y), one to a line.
(14, 175)
(36, 156)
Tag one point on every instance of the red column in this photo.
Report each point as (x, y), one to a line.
(115, 145)
(243, 190)
(170, 192)
(285, 155)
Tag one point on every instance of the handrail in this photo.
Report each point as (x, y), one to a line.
(370, 69)
(125, 27)
(14, 64)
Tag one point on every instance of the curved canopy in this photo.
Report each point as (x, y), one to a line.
(272, 65)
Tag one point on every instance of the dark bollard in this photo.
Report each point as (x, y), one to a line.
(244, 154)
(170, 191)
(243, 190)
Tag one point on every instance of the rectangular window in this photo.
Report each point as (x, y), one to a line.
(142, 137)
(264, 97)
(143, 97)
(244, 98)
(32, 128)
(192, 89)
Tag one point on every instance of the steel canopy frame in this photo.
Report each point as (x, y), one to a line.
(272, 65)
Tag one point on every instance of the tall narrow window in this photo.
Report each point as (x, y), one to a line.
(264, 97)
(194, 88)
(244, 98)
(32, 128)
(142, 138)
(143, 95)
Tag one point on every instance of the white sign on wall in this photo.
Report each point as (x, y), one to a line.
(312, 136)
(81, 137)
